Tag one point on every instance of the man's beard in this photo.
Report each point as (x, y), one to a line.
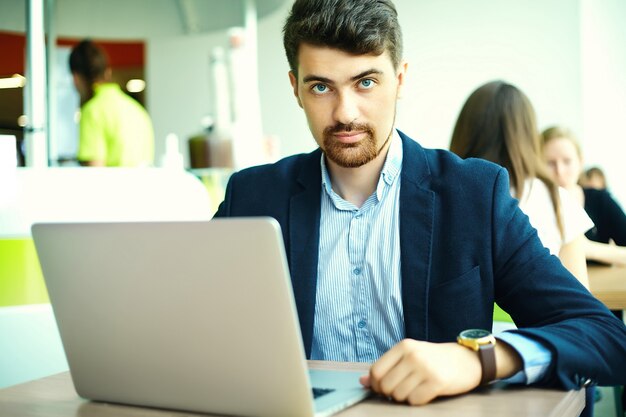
(351, 155)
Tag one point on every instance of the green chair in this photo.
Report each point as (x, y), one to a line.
(21, 281)
(501, 315)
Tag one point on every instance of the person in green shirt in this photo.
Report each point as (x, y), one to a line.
(115, 130)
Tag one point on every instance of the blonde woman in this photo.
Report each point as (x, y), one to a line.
(563, 156)
(497, 123)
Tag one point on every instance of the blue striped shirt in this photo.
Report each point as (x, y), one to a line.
(358, 306)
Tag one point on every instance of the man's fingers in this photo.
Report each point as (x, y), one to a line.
(394, 377)
(406, 387)
(423, 393)
(417, 372)
(383, 365)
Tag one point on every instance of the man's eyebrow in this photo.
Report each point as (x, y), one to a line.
(318, 78)
(325, 80)
(366, 73)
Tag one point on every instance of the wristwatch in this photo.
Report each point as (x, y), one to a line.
(484, 343)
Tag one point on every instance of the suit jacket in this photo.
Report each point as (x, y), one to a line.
(464, 244)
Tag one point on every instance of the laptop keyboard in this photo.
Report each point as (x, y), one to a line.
(318, 392)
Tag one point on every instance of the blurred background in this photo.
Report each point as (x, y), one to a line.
(569, 56)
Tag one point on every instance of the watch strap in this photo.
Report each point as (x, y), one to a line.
(487, 355)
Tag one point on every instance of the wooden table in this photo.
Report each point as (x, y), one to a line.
(54, 396)
(608, 284)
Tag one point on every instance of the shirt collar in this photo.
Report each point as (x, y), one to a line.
(389, 173)
(393, 163)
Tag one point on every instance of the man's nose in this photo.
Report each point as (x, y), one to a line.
(346, 109)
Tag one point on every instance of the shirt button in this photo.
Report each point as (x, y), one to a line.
(357, 271)
(361, 324)
(358, 216)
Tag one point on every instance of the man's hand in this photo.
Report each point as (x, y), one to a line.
(418, 372)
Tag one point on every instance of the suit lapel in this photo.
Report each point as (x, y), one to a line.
(416, 236)
(304, 237)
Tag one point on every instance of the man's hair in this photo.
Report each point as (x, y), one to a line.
(354, 26)
(89, 61)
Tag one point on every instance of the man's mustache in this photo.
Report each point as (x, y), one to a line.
(350, 127)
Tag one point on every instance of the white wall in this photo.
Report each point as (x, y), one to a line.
(281, 114)
(454, 46)
(177, 75)
(13, 15)
(604, 89)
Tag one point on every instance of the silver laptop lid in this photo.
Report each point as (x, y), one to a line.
(185, 315)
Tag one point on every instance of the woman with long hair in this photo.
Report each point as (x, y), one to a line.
(497, 123)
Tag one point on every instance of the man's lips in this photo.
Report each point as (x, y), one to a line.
(349, 137)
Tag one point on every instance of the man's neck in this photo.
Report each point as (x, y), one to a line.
(355, 185)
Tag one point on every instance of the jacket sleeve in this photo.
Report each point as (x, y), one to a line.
(549, 305)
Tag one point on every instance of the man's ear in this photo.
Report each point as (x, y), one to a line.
(294, 84)
(402, 68)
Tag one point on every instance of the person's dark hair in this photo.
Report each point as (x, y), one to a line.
(497, 123)
(595, 171)
(89, 61)
(592, 172)
(354, 26)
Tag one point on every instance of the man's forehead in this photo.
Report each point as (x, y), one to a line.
(336, 64)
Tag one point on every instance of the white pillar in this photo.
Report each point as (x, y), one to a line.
(35, 99)
(250, 24)
(247, 126)
(51, 92)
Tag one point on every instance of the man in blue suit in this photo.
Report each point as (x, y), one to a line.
(397, 253)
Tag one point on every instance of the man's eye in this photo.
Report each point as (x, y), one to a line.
(366, 83)
(319, 88)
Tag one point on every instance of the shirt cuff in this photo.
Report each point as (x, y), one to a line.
(536, 358)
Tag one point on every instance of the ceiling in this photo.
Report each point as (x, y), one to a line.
(136, 19)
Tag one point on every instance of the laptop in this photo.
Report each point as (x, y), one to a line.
(193, 316)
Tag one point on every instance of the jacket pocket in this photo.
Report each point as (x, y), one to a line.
(458, 304)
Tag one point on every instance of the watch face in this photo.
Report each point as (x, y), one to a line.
(474, 333)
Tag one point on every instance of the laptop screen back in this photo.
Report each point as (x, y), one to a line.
(185, 315)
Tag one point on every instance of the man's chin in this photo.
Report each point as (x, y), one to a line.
(349, 161)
